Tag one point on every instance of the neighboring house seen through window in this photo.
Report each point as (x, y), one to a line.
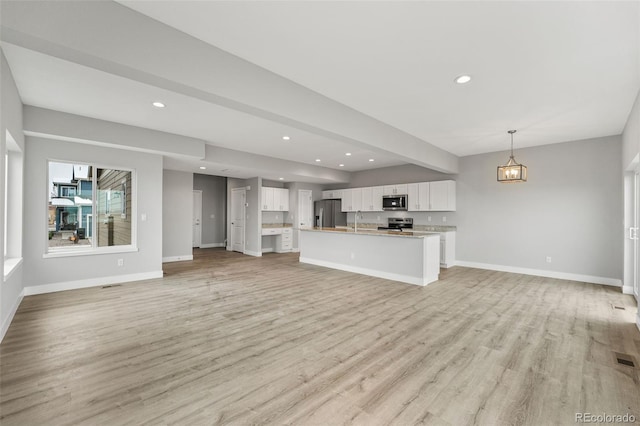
(89, 208)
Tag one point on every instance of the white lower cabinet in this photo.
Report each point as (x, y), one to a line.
(447, 249)
(284, 241)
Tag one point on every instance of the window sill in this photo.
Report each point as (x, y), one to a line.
(10, 265)
(89, 252)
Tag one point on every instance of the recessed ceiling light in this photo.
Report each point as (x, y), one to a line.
(203, 168)
(371, 159)
(158, 104)
(347, 154)
(286, 138)
(281, 178)
(462, 79)
(340, 165)
(317, 160)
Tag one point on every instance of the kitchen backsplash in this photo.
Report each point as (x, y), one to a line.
(375, 219)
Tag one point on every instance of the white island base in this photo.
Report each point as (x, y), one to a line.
(404, 257)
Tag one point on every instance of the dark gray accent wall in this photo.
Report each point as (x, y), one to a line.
(214, 208)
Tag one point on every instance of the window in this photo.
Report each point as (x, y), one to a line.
(89, 208)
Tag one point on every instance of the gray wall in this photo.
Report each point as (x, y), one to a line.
(214, 208)
(147, 259)
(407, 173)
(177, 211)
(10, 120)
(570, 209)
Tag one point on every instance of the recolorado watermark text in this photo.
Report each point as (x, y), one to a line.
(605, 418)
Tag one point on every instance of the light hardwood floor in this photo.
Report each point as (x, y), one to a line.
(232, 339)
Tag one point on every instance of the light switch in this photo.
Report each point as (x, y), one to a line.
(213, 216)
(143, 217)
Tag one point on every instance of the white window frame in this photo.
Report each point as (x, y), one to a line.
(52, 252)
(13, 194)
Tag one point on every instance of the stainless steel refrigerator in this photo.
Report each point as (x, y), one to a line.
(329, 214)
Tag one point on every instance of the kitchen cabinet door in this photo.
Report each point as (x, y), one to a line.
(267, 198)
(356, 199)
(347, 200)
(418, 196)
(327, 195)
(281, 199)
(376, 198)
(367, 199)
(442, 195)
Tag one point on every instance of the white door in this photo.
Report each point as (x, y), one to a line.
(196, 223)
(238, 197)
(305, 208)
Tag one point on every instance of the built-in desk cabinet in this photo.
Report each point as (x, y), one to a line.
(275, 199)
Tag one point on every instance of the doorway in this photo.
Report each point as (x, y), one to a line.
(238, 197)
(196, 223)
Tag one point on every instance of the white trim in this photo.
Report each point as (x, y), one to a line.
(7, 321)
(627, 289)
(371, 272)
(295, 250)
(177, 258)
(10, 266)
(638, 320)
(253, 253)
(91, 282)
(543, 273)
(268, 250)
(212, 245)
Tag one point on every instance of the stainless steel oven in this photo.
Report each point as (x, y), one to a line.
(394, 202)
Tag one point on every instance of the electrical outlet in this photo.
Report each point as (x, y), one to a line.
(548, 259)
(378, 218)
(353, 255)
(444, 218)
(213, 216)
(428, 218)
(120, 262)
(143, 217)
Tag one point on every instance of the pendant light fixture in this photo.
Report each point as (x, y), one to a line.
(512, 171)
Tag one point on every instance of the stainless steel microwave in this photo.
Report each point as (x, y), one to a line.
(394, 202)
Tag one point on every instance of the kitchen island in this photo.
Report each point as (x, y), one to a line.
(399, 256)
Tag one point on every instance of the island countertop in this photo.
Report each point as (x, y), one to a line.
(383, 233)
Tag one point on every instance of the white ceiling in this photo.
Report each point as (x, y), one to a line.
(556, 71)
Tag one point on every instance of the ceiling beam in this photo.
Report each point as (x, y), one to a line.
(112, 38)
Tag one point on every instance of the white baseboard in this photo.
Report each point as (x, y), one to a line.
(638, 320)
(177, 258)
(7, 320)
(253, 253)
(212, 245)
(544, 273)
(268, 250)
(91, 282)
(295, 250)
(627, 289)
(371, 272)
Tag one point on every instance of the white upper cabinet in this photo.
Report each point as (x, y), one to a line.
(421, 196)
(347, 200)
(442, 196)
(356, 199)
(372, 199)
(418, 196)
(332, 194)
(395, 189)
(275, 199)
